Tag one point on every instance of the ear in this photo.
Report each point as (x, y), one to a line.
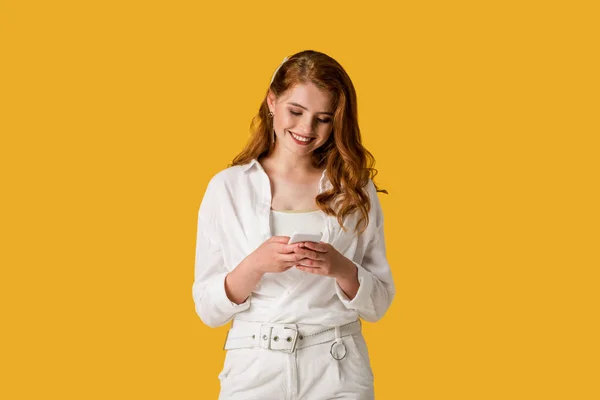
(271, 99)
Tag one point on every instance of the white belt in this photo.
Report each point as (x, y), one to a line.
(284, 337)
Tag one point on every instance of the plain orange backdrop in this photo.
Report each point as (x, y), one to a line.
(482, 116)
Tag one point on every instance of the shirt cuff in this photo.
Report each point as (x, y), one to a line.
(218, 296)
(363, 295)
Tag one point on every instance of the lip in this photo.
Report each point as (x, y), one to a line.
(307, 137)
(302, 143)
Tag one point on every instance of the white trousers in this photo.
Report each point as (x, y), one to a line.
(323, 371)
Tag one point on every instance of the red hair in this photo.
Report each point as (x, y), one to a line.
(348, 163)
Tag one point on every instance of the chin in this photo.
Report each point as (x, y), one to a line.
(300, 152)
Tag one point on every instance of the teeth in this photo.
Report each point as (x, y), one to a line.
(300, 138)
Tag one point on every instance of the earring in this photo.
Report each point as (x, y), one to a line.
(271, 114)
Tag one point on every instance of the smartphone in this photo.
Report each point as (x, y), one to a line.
(305, 237)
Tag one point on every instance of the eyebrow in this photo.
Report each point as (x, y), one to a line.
(301, 106)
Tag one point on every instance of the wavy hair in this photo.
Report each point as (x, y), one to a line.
(348, 164)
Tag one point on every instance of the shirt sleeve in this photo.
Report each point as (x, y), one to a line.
(212, 304)
(376, 285)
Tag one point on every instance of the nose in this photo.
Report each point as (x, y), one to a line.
(306, 128)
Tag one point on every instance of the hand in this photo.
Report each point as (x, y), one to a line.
(274, 255)
(323, 259)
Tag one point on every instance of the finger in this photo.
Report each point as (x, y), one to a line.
(289, 248)
(279, 239)
(321, 247)
(307, 262)
(292, 257)
(310, 270)
(308, 253)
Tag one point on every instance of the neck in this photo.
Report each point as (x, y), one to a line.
(286, 161)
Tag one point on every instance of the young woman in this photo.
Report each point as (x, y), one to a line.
(296, 308)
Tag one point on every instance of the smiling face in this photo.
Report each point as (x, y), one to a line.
(303, 118)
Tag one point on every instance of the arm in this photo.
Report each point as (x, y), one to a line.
(376, 288)
(240, 282)
(349, 283)
(212, 303)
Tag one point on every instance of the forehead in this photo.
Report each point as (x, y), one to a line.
(310, 96)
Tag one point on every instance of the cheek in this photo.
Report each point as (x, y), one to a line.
(326, 134)
(285, 120)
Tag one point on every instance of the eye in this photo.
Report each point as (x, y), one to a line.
(321, 121)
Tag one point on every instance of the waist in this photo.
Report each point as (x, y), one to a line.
(285, 337)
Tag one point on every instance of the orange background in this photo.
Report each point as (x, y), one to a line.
(483, 118)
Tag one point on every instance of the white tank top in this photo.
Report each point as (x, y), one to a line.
(284, 223)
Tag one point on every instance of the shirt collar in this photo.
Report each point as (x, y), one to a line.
(249, 165)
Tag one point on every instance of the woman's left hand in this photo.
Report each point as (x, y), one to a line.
(323, 259)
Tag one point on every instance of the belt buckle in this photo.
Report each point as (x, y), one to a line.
(294, 341)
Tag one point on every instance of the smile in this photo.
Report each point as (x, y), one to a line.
(301, 139)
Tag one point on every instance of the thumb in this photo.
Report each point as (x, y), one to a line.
(279, 239)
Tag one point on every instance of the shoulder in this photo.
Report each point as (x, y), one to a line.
(227, 176)
(219, 187)
(370, 186)
(375, 207)
(371, 189)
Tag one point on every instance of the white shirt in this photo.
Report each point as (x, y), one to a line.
(234, 220)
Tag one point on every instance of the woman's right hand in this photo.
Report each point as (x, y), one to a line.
(274, 255)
